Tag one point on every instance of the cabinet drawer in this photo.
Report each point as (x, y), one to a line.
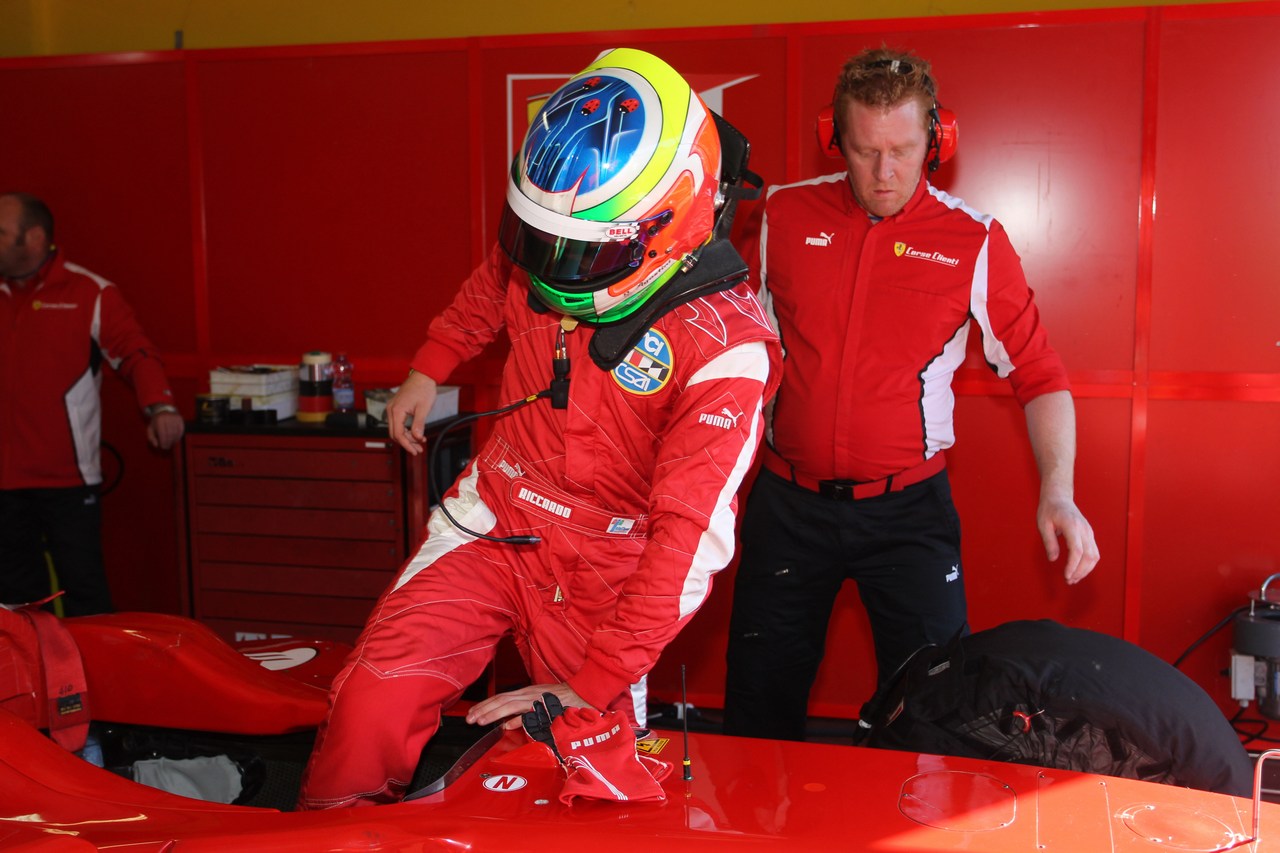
(312, 494)
(302, 609)
(291, 530)
(318, 523)
(321, 553)
(291, 580)
(373, 464)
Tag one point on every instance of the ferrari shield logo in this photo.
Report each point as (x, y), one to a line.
(899, 248)
(646, 369)
(652, 745)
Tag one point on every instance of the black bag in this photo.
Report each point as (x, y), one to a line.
(1040, 693)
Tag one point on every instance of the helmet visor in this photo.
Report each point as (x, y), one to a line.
(589, 264)
(578, 254)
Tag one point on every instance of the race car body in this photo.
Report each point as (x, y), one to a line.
(173, 677)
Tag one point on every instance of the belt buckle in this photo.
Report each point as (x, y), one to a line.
(836, 490)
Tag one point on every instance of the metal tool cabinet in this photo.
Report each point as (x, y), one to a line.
(296, 529)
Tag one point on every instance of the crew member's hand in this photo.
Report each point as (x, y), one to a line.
(412, 402)
(512, 704)
(1059, 516)
(165, 429)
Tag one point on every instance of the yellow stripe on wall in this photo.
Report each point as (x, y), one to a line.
(56, 27)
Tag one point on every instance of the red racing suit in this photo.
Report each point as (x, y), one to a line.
(874, 318)
(54, 335)
(632, 490)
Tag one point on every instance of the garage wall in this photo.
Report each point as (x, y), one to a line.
(255, 203)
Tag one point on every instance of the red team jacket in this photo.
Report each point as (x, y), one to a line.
(874, 319)
(54, 336)
(662, 442)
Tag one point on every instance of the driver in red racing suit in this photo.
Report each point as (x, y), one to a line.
(630, 490)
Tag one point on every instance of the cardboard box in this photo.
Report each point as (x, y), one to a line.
(254, 380)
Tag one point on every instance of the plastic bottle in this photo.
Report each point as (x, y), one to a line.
(344, 386)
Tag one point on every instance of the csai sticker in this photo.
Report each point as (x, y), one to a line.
(647, 368)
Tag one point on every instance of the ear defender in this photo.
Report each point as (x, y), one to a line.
(828, 133)
(944, 135)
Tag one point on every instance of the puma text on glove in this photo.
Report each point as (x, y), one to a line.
(599, 751)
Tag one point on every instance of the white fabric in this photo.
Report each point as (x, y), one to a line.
(214, 779)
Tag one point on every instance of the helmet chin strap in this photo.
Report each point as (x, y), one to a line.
(714, 267)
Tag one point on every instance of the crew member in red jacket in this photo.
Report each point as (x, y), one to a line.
(59, 323)
(873, 278)
(590, 524)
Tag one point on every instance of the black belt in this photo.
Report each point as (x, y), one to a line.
(850, 490)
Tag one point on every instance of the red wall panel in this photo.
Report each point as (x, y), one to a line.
(1210, 532)
(1216, 256)
(1213, 483)
(339, 204)
(996, 489)
(105, 146)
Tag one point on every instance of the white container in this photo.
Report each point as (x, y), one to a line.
(445, 406)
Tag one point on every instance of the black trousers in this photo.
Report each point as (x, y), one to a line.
(798, 548)
(68, 522)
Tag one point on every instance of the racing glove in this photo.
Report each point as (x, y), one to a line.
(599, 752)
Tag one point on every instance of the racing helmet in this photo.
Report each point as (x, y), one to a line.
(614, 187)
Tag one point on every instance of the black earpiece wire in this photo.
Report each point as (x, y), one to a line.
(559, 394)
